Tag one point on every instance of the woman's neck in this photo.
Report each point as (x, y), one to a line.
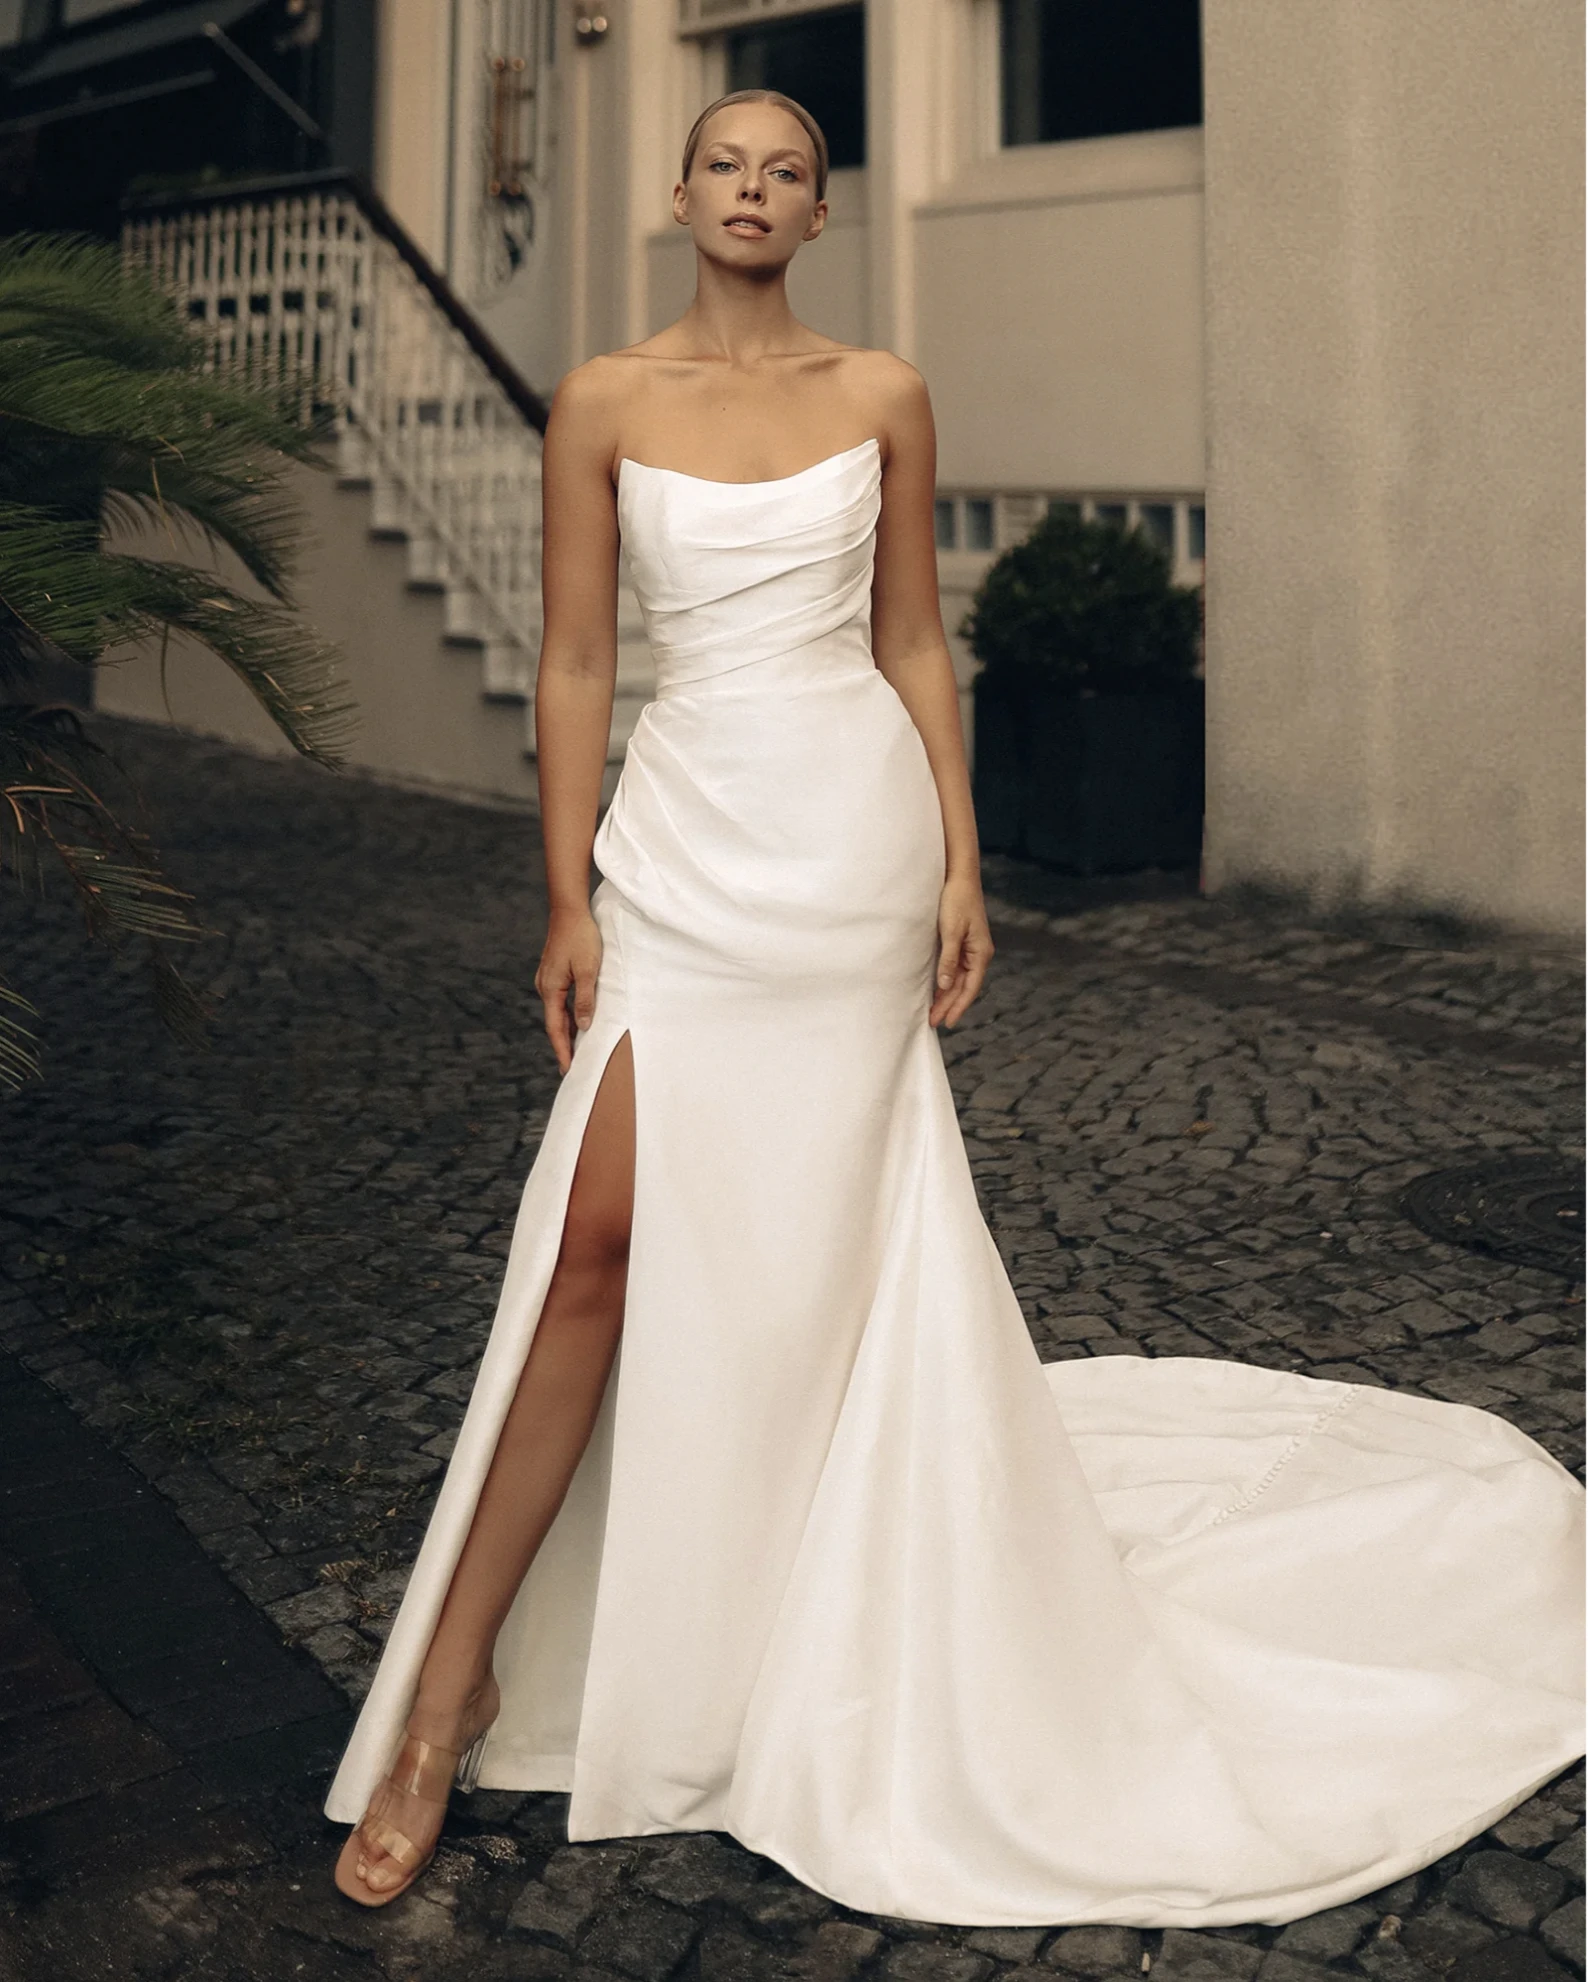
(740, 320)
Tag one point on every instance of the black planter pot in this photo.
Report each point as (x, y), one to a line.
(1090, 783)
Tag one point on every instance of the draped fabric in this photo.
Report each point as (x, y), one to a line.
(844, 1571)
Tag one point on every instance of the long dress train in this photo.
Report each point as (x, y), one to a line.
(844, 1571)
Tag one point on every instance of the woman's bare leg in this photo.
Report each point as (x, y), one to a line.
(547, 1428)
(559, 1394)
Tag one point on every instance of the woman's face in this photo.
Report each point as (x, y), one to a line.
(750, 198)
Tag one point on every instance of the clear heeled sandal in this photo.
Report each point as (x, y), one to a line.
(424, 1773)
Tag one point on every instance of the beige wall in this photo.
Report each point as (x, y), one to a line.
(421, 715)
(1051, 294)
(413, 116)
(1062, 334)
(1395, 592)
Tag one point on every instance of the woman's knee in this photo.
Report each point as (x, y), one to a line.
(595, 1240)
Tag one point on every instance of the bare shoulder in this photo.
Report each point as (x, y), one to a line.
(891, 397)
(588, 402)
(892, 391)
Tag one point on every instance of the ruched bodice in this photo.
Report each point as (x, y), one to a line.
(736, 575)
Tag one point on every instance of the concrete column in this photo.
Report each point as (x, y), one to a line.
(413, 117)
(904, 46)
(1394, 430)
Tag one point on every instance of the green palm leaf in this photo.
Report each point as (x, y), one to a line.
(110, 422)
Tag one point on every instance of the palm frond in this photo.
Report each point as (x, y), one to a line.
(19, 1058)
(59, 588)
(55, 817)
(111, 419)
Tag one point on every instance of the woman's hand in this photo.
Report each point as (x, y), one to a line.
(571, 958)
(965, 950)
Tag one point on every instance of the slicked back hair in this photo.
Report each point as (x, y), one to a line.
(812, 129)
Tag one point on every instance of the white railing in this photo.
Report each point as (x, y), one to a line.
(310, 284)
(985, 522)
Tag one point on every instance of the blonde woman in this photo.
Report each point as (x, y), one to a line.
(764, 1517)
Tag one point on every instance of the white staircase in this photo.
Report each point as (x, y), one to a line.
(310, 285)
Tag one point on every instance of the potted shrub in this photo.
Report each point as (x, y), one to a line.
(1088, 747)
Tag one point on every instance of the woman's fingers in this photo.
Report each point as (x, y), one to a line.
(552, 984)
(570, 962)
(961, 973)
(584, 982)
(950, 970)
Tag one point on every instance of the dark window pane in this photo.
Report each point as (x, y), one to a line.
(943, 522)
(1157, 521)
(1110, 512)
(1080, 69)
(1196, 545)
(978, 524)
(820, 61)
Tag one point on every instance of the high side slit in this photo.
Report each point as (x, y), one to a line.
(844, 1572)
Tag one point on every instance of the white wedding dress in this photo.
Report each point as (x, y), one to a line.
(845, 1572)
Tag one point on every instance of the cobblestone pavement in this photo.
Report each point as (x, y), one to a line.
(263, 1273)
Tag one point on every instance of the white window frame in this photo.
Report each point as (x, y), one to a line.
(702, 17)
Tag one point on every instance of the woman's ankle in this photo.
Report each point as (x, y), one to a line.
(447, 1705)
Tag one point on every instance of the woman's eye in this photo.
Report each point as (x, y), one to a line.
(725, 163)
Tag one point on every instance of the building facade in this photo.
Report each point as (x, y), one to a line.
(1044, 275)
(1295, 289)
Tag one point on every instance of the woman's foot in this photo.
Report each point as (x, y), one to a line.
(396, 1837)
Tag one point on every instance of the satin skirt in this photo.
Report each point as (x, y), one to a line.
(845, 1572)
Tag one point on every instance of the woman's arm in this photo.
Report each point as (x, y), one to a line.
(911, 652)
(573, 688)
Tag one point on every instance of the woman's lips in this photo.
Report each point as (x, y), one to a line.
(746, 220)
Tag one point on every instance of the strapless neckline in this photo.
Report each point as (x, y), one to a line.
(772, 482)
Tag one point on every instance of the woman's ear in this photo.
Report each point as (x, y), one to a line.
(818, 219)
(681, 204)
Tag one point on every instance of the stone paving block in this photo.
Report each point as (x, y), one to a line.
(1329, 1935)
(1444, 1934)
(1283, 1967)
(727, 1956)
(1203, 1955)
(689, 1871)
(920, 1961)
(1562, 1933)
(1094, 1951)
(1546, 1818)
(1019, 1944)
(1511, 1891)
(640, 1937)
(841, 1949)
(1510, 1961)
(779, 1907)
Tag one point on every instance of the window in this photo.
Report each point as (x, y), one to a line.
(820, 61)
(1077, 69)
(1157, 522)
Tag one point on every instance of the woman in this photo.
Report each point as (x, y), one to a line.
(812, 1558)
